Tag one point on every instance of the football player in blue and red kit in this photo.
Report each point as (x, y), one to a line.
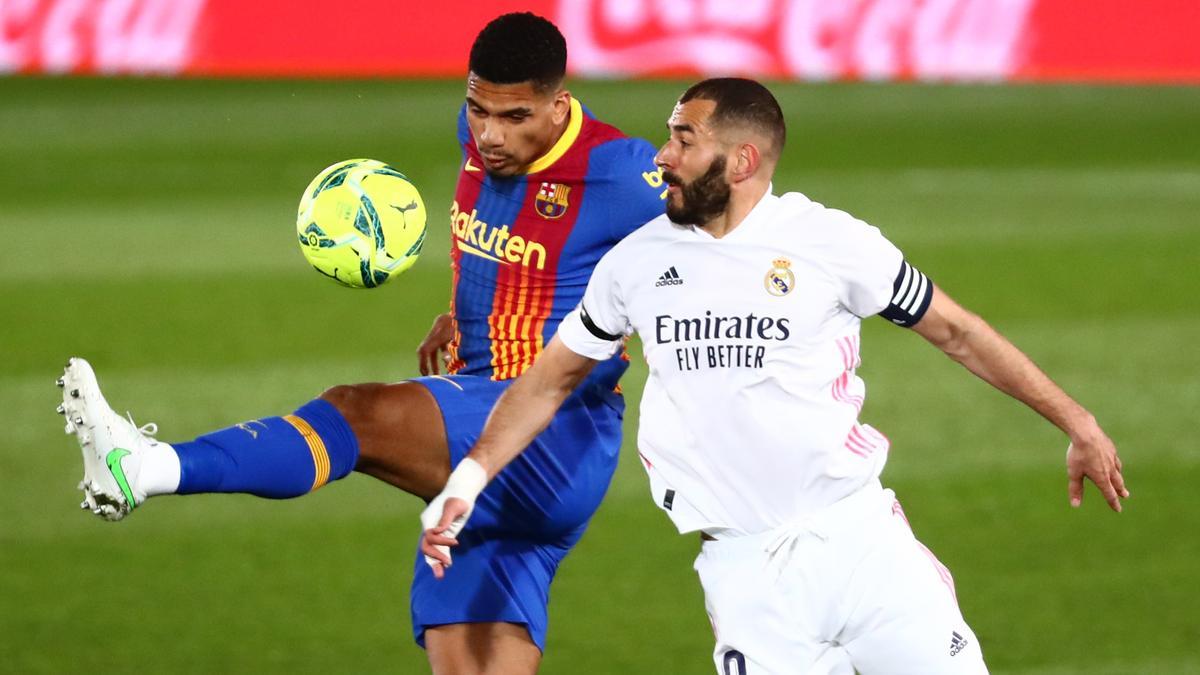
(544, 190)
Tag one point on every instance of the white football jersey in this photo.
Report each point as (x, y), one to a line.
(749, 418)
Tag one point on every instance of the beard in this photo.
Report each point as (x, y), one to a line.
(702, 199)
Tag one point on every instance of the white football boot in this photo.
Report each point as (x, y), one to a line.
(113, 446)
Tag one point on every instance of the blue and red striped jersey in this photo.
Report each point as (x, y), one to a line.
(523, 247)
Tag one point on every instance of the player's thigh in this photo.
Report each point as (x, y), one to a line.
(496, 578)
(908, 620)
(556, 484)
(763, 621)
(495, 648)
(400, 433)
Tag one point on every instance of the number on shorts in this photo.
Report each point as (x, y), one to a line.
(735, 662)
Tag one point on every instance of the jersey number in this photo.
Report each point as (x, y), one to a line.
(655, 180)
(735, 663)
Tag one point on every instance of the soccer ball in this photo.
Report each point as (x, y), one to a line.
(360, 223)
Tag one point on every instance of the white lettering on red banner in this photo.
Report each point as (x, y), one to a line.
(809, 39)
(105, 36)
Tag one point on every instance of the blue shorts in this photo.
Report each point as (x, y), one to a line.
(528, 517)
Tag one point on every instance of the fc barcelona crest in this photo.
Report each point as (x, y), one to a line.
(780, 280)
(551, 201)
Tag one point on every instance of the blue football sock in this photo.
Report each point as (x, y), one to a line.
(276, 457)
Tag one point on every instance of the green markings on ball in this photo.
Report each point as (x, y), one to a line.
(361, 222)
(335, 178)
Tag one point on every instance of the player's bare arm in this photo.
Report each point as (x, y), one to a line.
(969, 340)
(521, 413)
(527, 407)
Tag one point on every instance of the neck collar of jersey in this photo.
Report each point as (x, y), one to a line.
(564, 143)
(756, 214)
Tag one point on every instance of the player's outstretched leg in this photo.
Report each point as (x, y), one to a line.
(275, 457)
(393, 432)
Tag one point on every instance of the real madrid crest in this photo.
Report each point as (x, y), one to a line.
(551, 200)
(780, 281)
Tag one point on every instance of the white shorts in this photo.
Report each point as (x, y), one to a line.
(847, 588)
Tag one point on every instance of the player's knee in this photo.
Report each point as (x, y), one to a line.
(401, 440)
(352, 400)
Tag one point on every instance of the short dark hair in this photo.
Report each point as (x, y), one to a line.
(520, 47)
(742, 102)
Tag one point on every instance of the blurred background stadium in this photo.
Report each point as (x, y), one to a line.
(1038, 158)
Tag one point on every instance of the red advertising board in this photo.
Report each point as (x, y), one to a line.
(804, 39)
(1106, 40)
(1118, 40)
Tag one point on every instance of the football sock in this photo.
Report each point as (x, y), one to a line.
(275, 457)
(159, 474)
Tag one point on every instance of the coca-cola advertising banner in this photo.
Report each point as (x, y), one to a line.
(1113, 40)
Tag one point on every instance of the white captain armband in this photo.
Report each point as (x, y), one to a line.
(593, 328)
(911, 294)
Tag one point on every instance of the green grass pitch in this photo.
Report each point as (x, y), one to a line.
(147, 225)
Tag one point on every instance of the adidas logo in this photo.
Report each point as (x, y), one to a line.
(957, 643)
(669, 278)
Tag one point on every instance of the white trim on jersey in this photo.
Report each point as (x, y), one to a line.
(912, 291)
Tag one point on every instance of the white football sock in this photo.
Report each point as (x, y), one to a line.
(160, 471)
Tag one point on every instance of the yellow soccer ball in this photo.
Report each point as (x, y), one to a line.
(360, 223)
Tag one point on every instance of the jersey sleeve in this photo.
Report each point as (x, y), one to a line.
(598, 326)
(873, 276)
(640, 193)
(464, 131)
(864, 263)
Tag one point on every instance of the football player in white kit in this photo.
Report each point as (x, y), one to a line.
(749, 305)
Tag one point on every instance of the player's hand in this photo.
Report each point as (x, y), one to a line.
(442, 520)
(1093, 455)
(433, 349)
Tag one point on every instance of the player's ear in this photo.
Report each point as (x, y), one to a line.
(562, 105)
(746, 160)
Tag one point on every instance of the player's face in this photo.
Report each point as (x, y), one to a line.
(693, 162)
(514, 124)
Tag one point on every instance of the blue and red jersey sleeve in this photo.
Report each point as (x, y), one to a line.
(637, 193)
(464, 131)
